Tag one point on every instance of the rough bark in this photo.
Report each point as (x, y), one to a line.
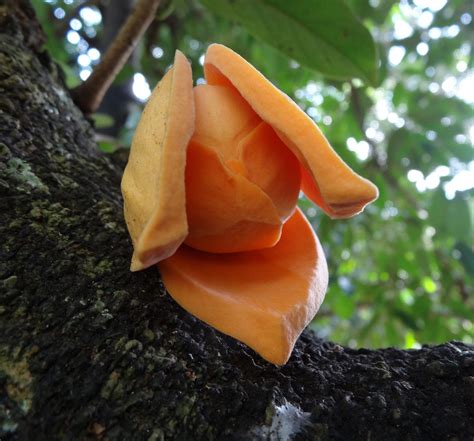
(89, 350)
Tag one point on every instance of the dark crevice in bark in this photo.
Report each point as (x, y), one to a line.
(89, 350)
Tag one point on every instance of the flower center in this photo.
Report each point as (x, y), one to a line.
(242, 182)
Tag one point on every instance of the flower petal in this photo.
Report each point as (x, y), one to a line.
(327, 180)
(263, 298)
(273, 167)
(242, 181)
(226, 212)
(222, 118)
(153, 185)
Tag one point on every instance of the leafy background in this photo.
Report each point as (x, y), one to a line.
(390, 83)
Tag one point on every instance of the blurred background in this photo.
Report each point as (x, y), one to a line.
(402, 272)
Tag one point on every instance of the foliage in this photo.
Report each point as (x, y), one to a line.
(328, 38)
(402, 272)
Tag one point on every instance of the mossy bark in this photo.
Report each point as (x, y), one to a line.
(89, 350)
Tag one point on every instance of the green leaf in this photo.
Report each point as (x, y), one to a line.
(406, 319)
(410, 340)
(423, 305)
(72, 79)
(451, 217)
(428, 285)
(467, 256)
(107, 147)
(324, 36)
(102, 120)
(54, 45)
(393, 337)
(125, 74)
(343, 305)
(165, 9)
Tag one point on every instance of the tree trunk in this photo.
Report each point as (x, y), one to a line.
(89, 350)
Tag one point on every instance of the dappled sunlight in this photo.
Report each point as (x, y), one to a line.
(140, 87)
(91, 16)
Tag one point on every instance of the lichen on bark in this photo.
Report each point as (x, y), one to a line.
(89, 350)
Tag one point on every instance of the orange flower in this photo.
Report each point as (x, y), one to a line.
(210, 194)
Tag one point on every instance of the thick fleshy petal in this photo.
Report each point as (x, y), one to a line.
(271, 165)
(242, 182)
(263, 298)
(153, 185)
(222, 118)
(227, 213)
(327, 180)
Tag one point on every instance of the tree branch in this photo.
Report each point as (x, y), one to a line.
(91, 351)
(89, 94)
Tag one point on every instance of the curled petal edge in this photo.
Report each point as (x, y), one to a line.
(326, 179)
